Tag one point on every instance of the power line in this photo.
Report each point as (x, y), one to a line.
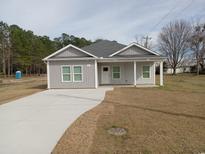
(170, 11)
(166, 15)
(185, 8)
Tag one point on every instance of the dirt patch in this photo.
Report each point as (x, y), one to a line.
(158, 122)
(168, 119)
(11, 89)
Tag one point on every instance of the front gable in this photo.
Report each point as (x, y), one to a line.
(70, 53)
(134, 50)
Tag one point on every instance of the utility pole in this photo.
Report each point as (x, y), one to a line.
(147, 38)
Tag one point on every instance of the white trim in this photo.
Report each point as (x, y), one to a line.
(134, 44)
(116, 72)
(70, 45)
(125, 60)
(61, 59)
(77, 73)
(96, 74)
(66, 73)
(48, 75)
(161, 73)
(135, 75)
(154, 73)
(111, 59)
(149, 72)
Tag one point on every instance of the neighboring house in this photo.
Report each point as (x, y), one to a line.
(186, 67)
(181, 69)
(102, 63)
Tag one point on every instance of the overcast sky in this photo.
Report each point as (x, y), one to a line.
(119, 20)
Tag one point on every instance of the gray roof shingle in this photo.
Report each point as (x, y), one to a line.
(103, 48)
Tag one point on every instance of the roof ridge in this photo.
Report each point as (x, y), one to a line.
(114, 41)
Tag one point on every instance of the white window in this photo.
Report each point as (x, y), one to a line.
(66, 73)
(116, 72)
(146, 71)
(77, 74)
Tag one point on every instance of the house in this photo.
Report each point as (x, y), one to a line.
(187, 66)
(181, 69)
(102, 63)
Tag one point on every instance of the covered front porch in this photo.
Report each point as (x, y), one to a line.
(127, 73)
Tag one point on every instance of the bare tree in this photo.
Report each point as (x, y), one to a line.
(197, 44)
(173, 42)
(144, 41)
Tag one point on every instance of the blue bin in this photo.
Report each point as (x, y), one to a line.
(18, 75)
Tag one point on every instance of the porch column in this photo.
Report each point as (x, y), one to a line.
(135, 73)
(96, 74)
(48, 75)
(161, 73)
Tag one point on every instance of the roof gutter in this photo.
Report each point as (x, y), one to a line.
(110, 59)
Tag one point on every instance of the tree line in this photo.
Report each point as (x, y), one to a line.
(23, 50)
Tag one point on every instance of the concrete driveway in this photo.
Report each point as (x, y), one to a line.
(34, 124)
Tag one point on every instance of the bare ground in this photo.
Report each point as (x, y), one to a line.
(158, 120)
(11, 89)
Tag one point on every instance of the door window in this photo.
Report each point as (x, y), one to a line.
(105, 69)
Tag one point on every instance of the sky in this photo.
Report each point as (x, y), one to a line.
(120, 20)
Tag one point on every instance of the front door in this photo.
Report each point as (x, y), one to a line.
(105, 75)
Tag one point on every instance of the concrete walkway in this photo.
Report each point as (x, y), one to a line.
(34, 124)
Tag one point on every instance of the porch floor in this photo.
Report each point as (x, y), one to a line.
(128, 85)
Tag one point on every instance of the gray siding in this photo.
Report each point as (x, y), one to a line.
(70, 52)
(139, 73)
(88, 74)
(127, 73)
(134, 51)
